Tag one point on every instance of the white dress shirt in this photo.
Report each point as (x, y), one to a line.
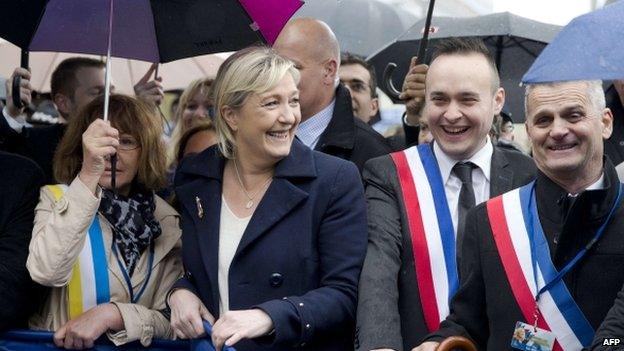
(309, 131)
(480, 176)
(16, 123)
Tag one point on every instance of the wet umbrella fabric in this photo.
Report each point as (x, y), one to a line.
(589, 47)
(154, 31)
(514, 42)
(361, 26)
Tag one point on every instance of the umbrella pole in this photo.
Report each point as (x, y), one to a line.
(107, 78)
(422, 52)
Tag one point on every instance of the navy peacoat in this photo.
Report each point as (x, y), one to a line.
(300, 257)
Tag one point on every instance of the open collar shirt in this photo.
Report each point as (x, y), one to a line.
(309, 131)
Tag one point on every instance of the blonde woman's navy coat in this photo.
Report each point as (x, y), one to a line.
(300, 257)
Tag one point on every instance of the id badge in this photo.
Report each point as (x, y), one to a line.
(529, 338)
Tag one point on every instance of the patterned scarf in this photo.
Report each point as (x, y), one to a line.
(133, 221)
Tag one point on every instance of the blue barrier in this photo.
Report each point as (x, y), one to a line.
(29, 340)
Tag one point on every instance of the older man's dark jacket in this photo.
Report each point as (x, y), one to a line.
(348, 137)
(19, 194)
(485, 309)
(389, 311)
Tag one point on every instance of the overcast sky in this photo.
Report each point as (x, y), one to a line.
(551, 11)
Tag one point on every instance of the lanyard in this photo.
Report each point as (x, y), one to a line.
(135, 298)
(534, 221)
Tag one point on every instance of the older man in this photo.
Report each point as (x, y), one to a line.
(542, 263)
(418, 199)
(327, 121)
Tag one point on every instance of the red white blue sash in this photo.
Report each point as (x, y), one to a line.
(525, 255)
(431, 230)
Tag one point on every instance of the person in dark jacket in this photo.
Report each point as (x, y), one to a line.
(327, 121)
(19, 295)
(274, 234)
(610, 334)
(569, 220)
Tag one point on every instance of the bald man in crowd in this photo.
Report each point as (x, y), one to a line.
(327, 121)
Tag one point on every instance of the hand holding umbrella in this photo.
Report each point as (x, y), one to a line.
(422, 52)
(18, 98)
(414, 90)
(99, 143)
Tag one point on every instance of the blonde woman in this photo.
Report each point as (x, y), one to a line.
(274, 233)
(195, 106)
(109, 255)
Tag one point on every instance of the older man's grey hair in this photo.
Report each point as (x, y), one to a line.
(593, 88)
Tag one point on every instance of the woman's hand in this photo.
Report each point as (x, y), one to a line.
(82, 331)
(187, 312)
(236, 325)
(99, 142)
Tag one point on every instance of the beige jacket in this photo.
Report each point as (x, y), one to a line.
(59, 234)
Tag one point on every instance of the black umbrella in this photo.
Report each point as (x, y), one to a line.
(514, 42)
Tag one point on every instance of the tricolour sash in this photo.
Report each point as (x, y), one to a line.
(88, 285)
(431, 230)
(515, 225)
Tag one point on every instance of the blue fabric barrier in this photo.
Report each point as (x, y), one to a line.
(29, 340)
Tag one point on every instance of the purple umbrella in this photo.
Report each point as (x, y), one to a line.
(154, 31)
(149, 30)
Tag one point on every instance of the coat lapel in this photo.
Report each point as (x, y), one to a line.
(201, 177)
(282, 196)
(206, 228)
(501, 177)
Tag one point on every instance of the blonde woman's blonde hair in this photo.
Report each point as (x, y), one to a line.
(198, 86)
(253, 70)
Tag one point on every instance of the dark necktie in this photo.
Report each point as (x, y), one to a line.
(463, 171)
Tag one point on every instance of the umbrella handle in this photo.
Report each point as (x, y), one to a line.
(388, 83)
(113, 161)
(16, 93)
(17, 82)
(457, 343)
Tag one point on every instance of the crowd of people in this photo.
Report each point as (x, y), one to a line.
(276, 213)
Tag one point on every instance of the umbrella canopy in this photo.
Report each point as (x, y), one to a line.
(361, 26)
(587, 48)
(514, 42)
(148, 30)
(125, 73)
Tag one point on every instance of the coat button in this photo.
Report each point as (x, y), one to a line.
(276, 280)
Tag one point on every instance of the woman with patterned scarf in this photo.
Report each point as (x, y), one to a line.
(110, 255)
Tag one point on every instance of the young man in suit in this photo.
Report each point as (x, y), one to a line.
(550, 253)
(418, 199)
(327, 121)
